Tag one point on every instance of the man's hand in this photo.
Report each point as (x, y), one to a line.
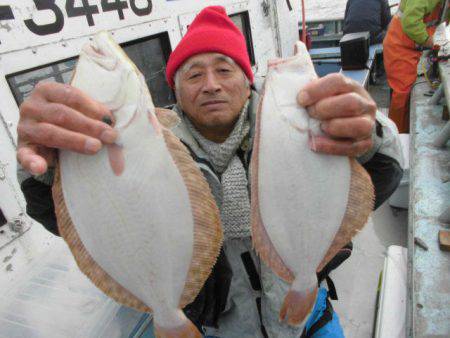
(429, 43)
(346, 111)
(58, 116)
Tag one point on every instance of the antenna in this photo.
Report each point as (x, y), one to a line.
(304, 22)
(444, 12)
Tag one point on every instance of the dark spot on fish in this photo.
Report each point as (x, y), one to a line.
(2, 232)
(106, 119)
(7, 259)
(419, 306)
(9, 267)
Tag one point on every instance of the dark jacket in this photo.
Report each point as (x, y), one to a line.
(367, 15)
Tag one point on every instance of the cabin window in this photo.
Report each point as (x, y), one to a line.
(242, 21)
(23, 83)
(324, 33)
(150, 55)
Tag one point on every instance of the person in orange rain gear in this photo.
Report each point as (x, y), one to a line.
(411, 27)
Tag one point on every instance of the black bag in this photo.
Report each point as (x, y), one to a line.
(211, 301)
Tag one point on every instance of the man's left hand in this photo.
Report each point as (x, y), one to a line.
(347, 115)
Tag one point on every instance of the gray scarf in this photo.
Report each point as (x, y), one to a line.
(235, 210)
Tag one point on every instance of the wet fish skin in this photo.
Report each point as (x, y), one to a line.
(300, 199)
(131, 214)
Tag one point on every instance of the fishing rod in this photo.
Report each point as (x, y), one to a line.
(303, 22)
(444, 12)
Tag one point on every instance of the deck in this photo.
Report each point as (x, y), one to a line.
(429, 270)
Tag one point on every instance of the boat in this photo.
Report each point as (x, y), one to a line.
(42, 292)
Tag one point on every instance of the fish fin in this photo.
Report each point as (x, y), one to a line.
(168, 118)
(297, 306)
(261, 241)
(82, 257)
(187, 330)
(360, 204)
(208, 235)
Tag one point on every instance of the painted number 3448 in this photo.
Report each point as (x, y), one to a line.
(139, 8)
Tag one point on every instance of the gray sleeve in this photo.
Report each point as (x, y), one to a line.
(386, 141)
(23, 175)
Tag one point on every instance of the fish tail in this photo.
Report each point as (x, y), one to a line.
(297, 306)
(186, 330)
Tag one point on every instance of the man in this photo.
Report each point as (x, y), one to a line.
(212, 76)
(367, 16)
(412, 27)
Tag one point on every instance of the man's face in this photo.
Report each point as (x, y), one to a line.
(212, 90)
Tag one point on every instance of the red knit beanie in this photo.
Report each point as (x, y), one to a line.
(212, 31)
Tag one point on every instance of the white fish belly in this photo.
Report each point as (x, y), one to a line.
(138, 226)
(302, 194)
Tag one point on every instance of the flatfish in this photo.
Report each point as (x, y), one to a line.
(305, 206)
(139, 216)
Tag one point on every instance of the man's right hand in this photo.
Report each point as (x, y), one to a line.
(59, 116)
